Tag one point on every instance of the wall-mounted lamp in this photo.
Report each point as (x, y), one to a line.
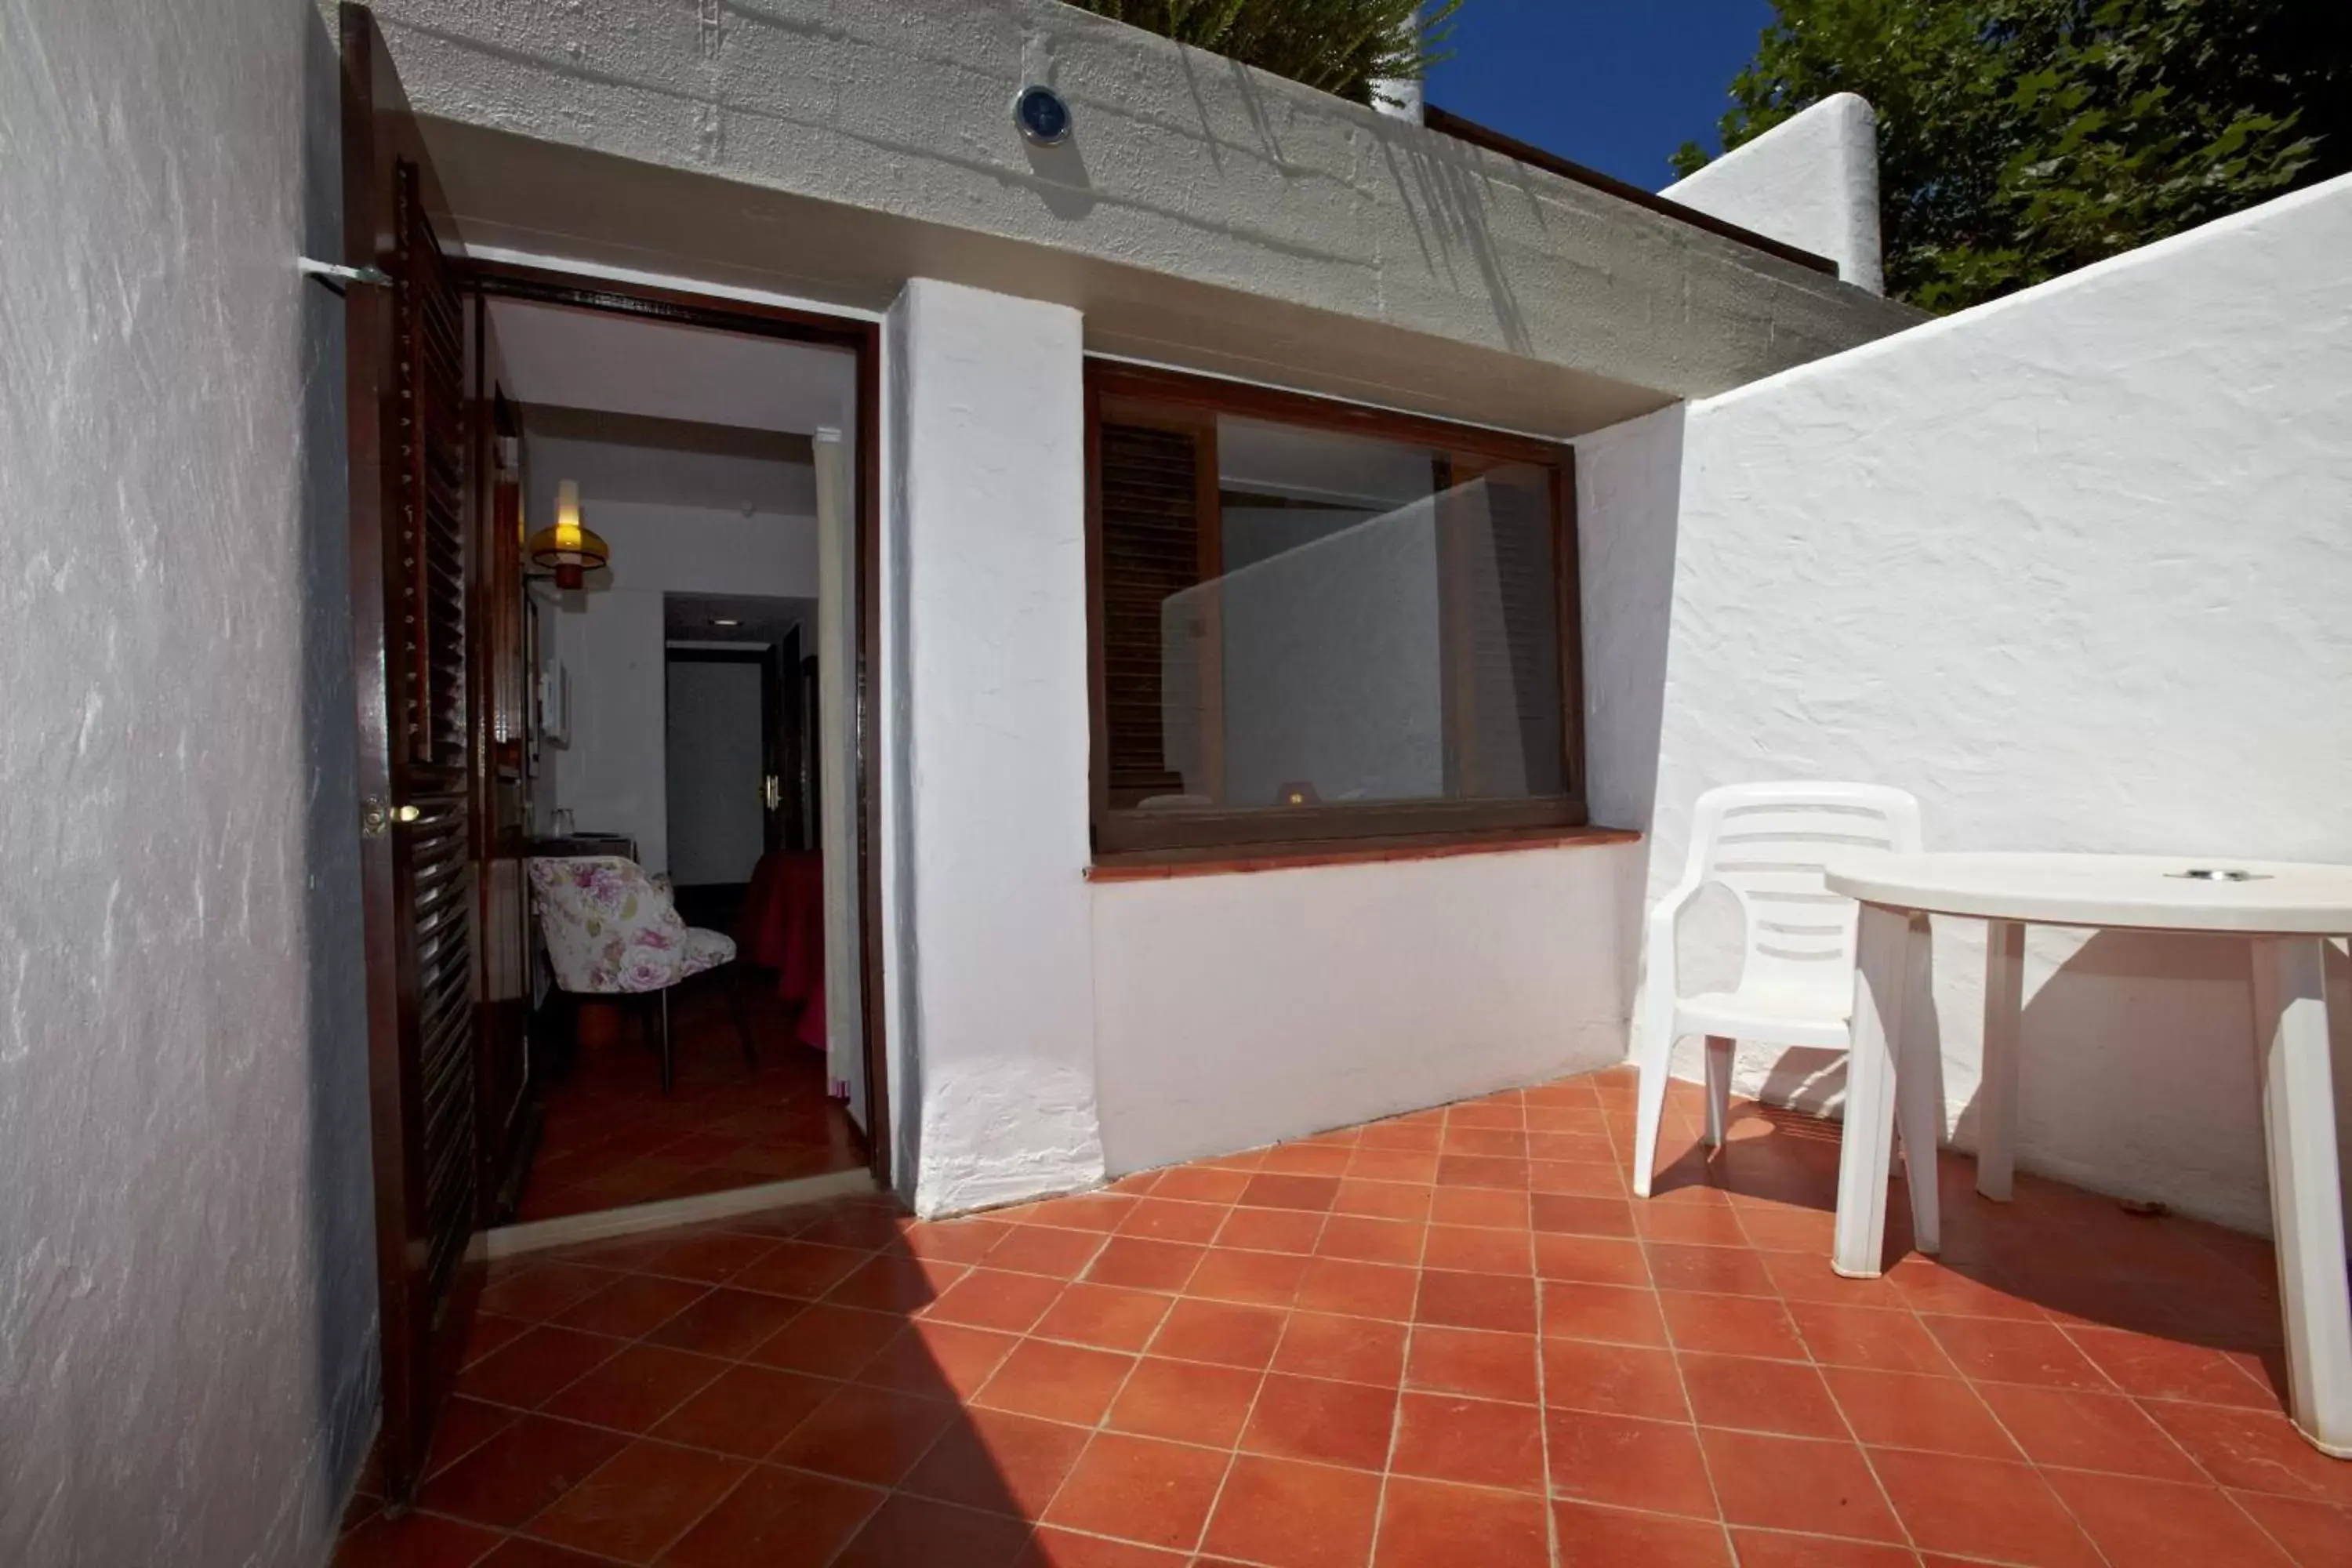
(566, 546)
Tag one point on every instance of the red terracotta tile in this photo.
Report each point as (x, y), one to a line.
(1479, 1442)
(1188, 1402)
(2001, 1349)
(777, 1519)
(2253, 1450)
(1490, 1208)
(726, 1322)
(1083, 1211)
(639, 1501)
(801, 1270)
(2160, 1524)
(1141, 1490)
(488, 1333)
(865, 1225)
(1753, 1395)
(1271, 1230)
(1002, 1463)
(1434, 1524)
(2156, 1368)
(633, 1305)
(1057, 1382)
(1809, 1231)
(1044, 1249)
(1381, 1164)
(1475, 1250)
(1801, 1484)
(887, 1284)
(1655, 1466)
(2087, 1432)
(1504, 1112)
(636, 1388)
(829, 1341)
(1732, 1325)
(1506, 1143)
(1201, 1185)
(522, 1551)
(1371, 1240)
(938, 1361)
(1051, 1548)
(916, 1532)
(1712, 1270)
(1483, 1171)
(1808, 1277)
(1906, 1410)
(1331, 1423)
(1104, 1316)
(1353, 1350)
(1172, 1219)
(712, 1256)
(414, 1541)
(1257, 1279)
(2314, 1534)
(746, 1410)
(541, 1291)
(1699, 1225)
(462, 1427)
(1383, 1200)
(1874, 1336)
(1305, 1159)
(1477, 1301)
(1981, 1508)
(1477, 1362)
(1591, 1260)
(1609, 1538)
(1358, 1289)
(537, 1366)
(1765, 1548)
(1145, 1265)
(1928, 1286)
(953, 1240)
(1219, 1331)
(1618, 1379)
(1577, 1178)
(1612, 1312)
(1289, 1192)
(1290, 1515)
(865, 1434)
(995, 1298)
(520, 1472)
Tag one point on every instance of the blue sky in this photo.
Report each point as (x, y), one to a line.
(1615, 85)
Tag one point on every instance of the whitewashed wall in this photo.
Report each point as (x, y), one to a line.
(187, 1277)
(1811, 182)
(1234, 1010)
(2074, 567)
(994, 1069)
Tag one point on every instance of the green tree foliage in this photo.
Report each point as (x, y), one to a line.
(1339, 46)
(2021, 139)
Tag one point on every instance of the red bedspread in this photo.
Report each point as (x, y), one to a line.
(783, 929)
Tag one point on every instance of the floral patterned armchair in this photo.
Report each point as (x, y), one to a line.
(613, 931)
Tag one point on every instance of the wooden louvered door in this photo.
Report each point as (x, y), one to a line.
(410, 501)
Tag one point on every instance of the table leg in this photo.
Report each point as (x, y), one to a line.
(1868, 1140)
(2004, 1009)
(2306, 1205)
(1919, 1090)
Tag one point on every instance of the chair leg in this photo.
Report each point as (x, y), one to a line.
(667, 1074)
(1719, 1089)
(734, 980)
(1650, 1106)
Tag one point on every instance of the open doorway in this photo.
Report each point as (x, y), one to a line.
(685, 915)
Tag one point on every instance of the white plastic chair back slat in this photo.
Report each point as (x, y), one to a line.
(1769, 845)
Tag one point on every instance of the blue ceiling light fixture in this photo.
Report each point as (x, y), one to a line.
(1042, 116)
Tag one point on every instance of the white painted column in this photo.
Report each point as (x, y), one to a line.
(987, 500)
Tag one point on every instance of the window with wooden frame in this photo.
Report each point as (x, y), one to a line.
(1312, 622)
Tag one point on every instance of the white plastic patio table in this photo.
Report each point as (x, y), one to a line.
(2289, 910)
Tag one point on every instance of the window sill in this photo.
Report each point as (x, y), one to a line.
(1161, 865)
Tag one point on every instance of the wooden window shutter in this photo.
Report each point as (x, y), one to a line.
(1151, 527)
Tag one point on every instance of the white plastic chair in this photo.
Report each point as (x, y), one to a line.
(1767, 843)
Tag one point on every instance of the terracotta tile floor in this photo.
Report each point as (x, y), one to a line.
(612, 1138)
(1448, 1338)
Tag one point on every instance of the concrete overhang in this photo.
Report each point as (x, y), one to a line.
(1202, 214)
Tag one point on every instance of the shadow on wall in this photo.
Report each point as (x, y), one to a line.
(340, 1194)
(2125, 1034)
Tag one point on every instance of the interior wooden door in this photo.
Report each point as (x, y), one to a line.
(404, 353)
(780, 697)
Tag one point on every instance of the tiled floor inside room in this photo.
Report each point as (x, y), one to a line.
(612, 1138)
(1447, 1338)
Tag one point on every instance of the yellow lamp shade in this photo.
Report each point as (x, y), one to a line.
(567, 546)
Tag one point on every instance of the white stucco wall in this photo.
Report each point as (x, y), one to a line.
(996, 1055)
(2073, 568)
(1811, 182)
(186, 1268)
(1234, 1010)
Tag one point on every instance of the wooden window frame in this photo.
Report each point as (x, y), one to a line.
(1126, 837)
